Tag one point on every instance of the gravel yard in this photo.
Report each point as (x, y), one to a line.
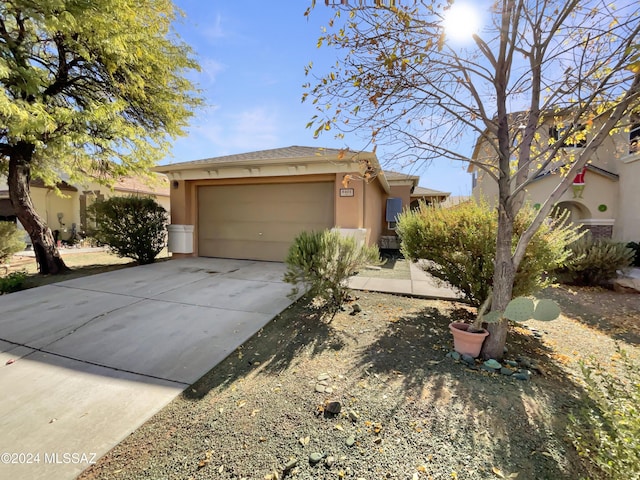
(401, 408)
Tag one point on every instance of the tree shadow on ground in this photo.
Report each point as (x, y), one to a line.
(519, 426)
(298, 329)
(613, 313)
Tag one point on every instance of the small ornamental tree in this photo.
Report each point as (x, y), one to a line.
(405, 84)
(132, 227)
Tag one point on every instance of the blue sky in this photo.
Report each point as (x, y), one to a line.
(253, 55)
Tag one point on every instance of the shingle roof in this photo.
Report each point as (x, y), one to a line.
(138, 185)
(292, 152)
(391, 175)
(428, 192)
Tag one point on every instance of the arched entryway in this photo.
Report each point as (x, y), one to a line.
(577, 211)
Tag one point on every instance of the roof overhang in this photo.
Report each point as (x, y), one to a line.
(322, 162)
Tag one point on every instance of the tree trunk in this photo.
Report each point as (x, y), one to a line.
(503, 277)
(47, 255)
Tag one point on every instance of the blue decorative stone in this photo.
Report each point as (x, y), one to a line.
(491, 363)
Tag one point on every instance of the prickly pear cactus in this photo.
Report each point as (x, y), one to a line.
(520, 309)
(546, 310)
(492, 317)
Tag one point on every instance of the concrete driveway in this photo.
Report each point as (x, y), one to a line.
(85, 362)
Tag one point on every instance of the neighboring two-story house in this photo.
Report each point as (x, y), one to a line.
(604, 197)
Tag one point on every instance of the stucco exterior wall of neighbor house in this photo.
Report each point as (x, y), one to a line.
(608, 206)
(61, 210)
(598, 191)
(627, 229)
(58, 212)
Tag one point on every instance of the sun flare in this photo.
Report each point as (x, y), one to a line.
(461, 22)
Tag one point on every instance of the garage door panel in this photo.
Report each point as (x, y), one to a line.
(260, 221)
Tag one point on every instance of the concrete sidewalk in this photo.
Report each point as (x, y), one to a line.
(420, 284)
(83, 363)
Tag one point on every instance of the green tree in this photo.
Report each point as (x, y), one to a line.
(91, 89)
(422, 96)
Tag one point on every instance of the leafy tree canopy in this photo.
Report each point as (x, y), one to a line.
(90, 88)
(96, 87)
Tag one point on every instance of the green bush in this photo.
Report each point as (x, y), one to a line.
(458, 247)
(594, 262)
(12, 282)
(11, 240)
(635, 246)
(606, 429)
(323, 262)
(132, 227)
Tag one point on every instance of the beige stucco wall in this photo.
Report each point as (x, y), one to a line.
(627, 228)
(599, 190)
(374, 205)
(349, 211)
(48, 204)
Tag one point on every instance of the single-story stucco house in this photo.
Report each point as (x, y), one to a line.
(252, 205)
(67, 208)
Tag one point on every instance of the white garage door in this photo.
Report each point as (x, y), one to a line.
(259, 222)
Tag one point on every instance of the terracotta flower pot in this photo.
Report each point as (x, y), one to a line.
(467, 343)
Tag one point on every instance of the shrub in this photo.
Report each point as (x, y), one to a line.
(594, 262)
(606, 429)
(635, 246)
(459, 247)
(323, 262)
(132, 227)
(12, 282)
(11, 240)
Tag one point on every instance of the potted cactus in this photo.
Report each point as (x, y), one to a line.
(468, 338)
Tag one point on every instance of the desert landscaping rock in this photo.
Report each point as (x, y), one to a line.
(322, 377)
(493, 364)
(506, 371)
(329, 461)
(290, 464)
(437, 415)
(333, 407)
(522, 376)
(454, 355)
(468, 359)
(315, 458)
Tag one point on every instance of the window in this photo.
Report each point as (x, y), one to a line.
(577, 139)
(634, 138)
